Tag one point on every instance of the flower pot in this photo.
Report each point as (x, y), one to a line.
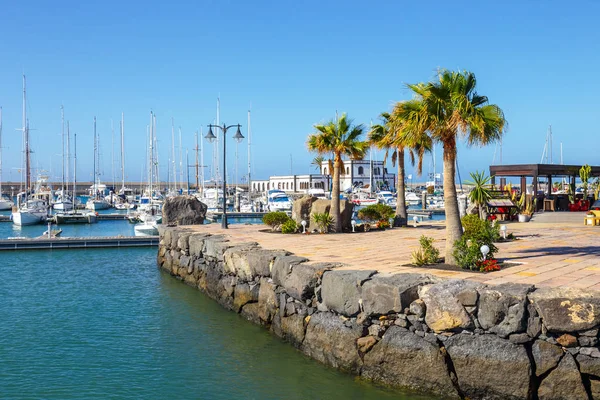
(524, 218)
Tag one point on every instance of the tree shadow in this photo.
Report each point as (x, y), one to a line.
(559, 250)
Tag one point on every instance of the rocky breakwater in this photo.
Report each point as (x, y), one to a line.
(451, 338)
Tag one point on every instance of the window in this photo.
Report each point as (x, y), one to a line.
(348, 170)
(325, 171)
(376, 171)
(361, 171)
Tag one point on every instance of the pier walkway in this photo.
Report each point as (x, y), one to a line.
(559, 254)
(77, 243)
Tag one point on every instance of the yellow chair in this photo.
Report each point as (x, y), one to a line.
(592, 218)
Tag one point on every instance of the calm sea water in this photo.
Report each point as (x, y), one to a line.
(108, 324)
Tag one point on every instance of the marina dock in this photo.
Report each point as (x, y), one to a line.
(78, 243)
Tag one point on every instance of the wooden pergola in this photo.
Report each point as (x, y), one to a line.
(535, 171)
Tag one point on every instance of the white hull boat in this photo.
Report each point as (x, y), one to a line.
(66, 205)
(146, 229)
(97, 205)
(6, 205)
(24, 217)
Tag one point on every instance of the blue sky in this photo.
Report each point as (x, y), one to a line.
(294, 64)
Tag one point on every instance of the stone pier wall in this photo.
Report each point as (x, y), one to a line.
(451, 338)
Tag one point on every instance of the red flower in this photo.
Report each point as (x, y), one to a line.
(489, 265)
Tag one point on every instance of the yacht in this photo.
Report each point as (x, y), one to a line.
(412, 198)
(33, 211)
(386, 197)
(5, 202)
(364, 199)
(277, 200)
(63, 202)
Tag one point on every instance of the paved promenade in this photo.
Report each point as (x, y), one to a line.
(557, 254)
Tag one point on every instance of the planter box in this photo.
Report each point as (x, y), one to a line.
(524, 218)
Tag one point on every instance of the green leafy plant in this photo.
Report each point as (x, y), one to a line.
(481, 192)
(584, 175)
(427, 253)
(477, 232)
(323, 221)
(289, 226)
(526, 204)
(275, 219)
(377, 213)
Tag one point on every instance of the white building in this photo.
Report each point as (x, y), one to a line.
(356, 173)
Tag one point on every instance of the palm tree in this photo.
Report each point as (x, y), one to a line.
(317, 162)
(480, 194)
(386, 136)
(341, 138)
(447, 110)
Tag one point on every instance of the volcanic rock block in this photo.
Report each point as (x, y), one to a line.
(341, 290)
(488, 367)
(502, 308)
(563, 383)
(388, 293)
(444, 309)
(404, 359)
(183, 210)
(567, 310)
(331, 342)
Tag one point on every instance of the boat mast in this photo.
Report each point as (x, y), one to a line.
(74, 168)
(0, 151)
(197, 176)
(216, 152)
(201, 164)
(155, 161)
(67, 162)
(26, 139)
(94, 188)
(180, 161)
(112, 154)
(151, 153)
(123, 151)
(62, 135)
(173, 162)
(249, 142)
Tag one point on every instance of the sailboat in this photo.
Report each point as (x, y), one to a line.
(31, 209)
(63, 201)
(149, 215)
(96, 202)
(5, 202)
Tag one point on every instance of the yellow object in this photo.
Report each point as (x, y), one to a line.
(592, 218)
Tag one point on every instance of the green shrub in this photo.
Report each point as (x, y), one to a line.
(427, 252)
(289, 226)
(380, 213)
(275, 219)
(478, 232)
(323, 221)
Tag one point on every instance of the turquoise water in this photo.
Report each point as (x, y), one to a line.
(101, 228)
(108, 324)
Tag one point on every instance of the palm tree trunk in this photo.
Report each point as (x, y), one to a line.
(401, 217)
(335, 194)
(453, 224)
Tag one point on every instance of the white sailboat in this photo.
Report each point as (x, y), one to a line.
(5, 202)
(63, 201)
(96, 202)
(149, 217)
(31, 209)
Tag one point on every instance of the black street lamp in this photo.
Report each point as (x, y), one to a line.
(211, 138)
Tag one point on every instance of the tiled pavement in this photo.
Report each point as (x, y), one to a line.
(561, 254)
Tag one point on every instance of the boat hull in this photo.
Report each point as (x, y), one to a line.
(23, 218)
(146, 230)
(6, 205)
(97, 205)
(63, 206)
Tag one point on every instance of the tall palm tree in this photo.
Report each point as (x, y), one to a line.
(341, 138)
(447, 110)
(386, 136)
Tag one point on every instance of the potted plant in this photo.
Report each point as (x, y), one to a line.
(526, 207)
(584, 175)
